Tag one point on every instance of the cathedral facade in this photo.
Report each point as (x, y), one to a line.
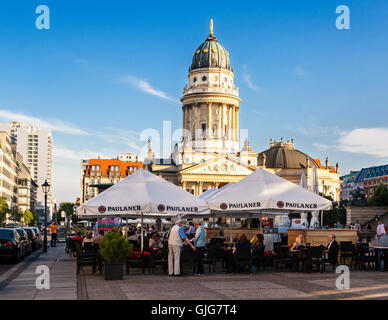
(209, 155)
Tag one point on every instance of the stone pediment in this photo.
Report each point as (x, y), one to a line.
(220, 166)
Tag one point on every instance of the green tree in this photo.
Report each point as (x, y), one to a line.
(380, 196)
(15, 214)
(68, 207)
(335, 215)
(28, 217)
(4, 210)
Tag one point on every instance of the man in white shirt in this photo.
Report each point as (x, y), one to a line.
(380, 229)
(175, 244)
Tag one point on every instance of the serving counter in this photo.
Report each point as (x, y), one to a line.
(320, 236)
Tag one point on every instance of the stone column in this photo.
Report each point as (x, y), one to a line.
(219, 121)
(200, 184)
(236, 122)
(223, 120)
(230, 122)
(210, 121)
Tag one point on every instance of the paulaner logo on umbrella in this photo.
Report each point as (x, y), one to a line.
(223, 206)
(101, 209)
(161, 207)
(280, 204)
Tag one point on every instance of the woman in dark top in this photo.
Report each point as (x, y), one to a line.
(257, 252)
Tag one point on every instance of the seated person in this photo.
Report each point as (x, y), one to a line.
(155, 242)
(257, 252)
(77, 237)
(298, 244)
(88, 239)
(99, 237)
(332, 250)
(242, 242)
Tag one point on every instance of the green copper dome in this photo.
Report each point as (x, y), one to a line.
(210, 54)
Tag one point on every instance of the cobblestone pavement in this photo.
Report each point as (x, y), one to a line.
(21, 285)
(64, 284)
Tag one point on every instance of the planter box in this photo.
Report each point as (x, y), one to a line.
(114, 270)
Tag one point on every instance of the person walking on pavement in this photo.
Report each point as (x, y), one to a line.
(199, 243)
(380, 230)
(175, 244)
(53, 231)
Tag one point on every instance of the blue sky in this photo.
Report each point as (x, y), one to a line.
(107, 70)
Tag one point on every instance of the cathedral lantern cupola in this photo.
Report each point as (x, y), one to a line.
(210, 101)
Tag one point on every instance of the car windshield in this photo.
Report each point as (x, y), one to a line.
(21, 232)
(29, 232)
(6, 234)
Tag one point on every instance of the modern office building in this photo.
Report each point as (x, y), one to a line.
(35, 145)
(8, 171)
(370, 178)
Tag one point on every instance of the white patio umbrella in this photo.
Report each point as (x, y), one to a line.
(263, 190)
(143, 194)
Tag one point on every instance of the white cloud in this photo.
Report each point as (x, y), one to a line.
(146, 87)
(69, 154)
(321, 146)
(371, 141)
(248, 81)
(51, 124)
(66, 183)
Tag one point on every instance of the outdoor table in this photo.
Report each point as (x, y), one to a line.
(379, 250)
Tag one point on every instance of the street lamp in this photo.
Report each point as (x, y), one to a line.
(46, 189)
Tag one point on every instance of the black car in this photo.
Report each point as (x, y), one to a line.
(10, 244)
(37, 232)
(33, 237)
(27, 244)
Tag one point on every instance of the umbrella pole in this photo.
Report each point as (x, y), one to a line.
(230, 224)
(142, 237)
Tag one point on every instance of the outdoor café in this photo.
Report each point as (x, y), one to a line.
(236, 218)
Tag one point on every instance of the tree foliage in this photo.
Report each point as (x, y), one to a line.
(335, 215)
(4, 210)
(15, 214)
(380, 197)
(28, 217)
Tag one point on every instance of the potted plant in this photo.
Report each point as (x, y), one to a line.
(114, 249)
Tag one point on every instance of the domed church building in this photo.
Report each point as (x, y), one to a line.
(209, 155)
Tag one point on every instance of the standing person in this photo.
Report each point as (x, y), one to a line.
(158, 224)
(380, 230)
(53, 231)
(175, 244)
(199, 243)
(191, 231)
